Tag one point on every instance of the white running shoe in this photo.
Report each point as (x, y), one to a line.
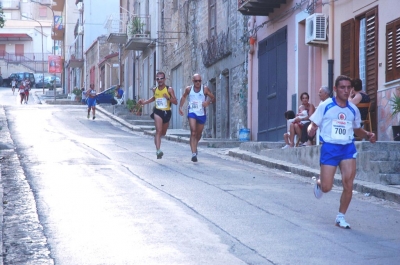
(286, 146)
(317, 189)
(342, 223)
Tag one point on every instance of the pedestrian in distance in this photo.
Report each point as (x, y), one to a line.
(83, 100)
(199, 98)
(13, 85)
(163, 96)
(91, 101)
(21, 91)
(27, 89)
(338, 120)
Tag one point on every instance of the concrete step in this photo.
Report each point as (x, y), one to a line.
(389, 179)
(142, 122)
(385, 167)
(147, 127)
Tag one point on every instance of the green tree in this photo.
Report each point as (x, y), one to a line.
(2, 20)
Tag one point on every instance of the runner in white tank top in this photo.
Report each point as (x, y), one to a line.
(200, 97)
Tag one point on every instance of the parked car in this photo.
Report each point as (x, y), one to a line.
(48, 82)
(106, 96)
(19, 77)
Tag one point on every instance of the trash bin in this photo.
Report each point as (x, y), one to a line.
(244, 135)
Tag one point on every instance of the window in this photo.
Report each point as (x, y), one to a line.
(359, 54)
(42, 11)
(212, 18)
(393, 50)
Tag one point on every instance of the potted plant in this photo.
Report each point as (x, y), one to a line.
(135, 27)
(395, 103)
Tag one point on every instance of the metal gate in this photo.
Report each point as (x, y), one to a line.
(272, 86)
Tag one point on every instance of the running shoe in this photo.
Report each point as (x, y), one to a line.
(88, 116)
(286, 146)
(342, 223)
(94, 117)
(194, 158)
(317, 189)
(159, 154)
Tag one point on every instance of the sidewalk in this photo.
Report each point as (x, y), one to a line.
(271, 155)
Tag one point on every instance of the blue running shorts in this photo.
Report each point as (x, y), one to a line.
(333, 154)
(199, 119)
(91, 102)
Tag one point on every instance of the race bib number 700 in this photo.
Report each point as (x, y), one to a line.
(341, 130)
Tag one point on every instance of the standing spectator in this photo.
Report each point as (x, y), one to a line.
(200, 97)
(91, 101)
(83, 100)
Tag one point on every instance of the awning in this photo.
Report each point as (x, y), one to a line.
(15, 37)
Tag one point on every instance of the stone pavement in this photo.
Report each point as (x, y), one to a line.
(379, 177)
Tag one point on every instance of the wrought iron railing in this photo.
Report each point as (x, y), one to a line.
(32, 61)
(215, 48)
(139, 26)
(116, 23)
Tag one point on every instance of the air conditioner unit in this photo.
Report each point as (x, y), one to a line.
(79, 6)
(80, 30)
(316, 26)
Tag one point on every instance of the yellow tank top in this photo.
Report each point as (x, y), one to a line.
(161, 102)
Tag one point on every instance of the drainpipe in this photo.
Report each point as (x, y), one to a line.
(330, 46)
(250, 24)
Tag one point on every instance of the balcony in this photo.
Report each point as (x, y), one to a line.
(75, 58)
(59, 5)
(258, 7)
(116, 27)
(138, 32)
(58, 33)
(215, 48)
(10, 5)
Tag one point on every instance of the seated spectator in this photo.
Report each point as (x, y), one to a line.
(323, 94)
(289, 115)
(306, 109)
(119, 92)
(357, 95)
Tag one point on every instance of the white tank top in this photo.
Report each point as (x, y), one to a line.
(196, 101)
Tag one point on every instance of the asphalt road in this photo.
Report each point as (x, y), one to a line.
(83, 191)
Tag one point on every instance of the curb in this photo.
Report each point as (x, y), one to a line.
(374, 189)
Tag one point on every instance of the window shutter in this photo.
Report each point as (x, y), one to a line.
(347, 48)
(393, 50)
(372, 54)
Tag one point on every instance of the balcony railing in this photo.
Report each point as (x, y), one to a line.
(32, 61)
(116, 27)
(258, 7)
(215, 49)
(138, 27)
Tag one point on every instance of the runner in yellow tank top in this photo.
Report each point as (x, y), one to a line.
(163, 97)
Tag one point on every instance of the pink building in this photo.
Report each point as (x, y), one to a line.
(301, 45)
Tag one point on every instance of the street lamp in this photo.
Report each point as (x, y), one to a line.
(41, 29)
(54, 45)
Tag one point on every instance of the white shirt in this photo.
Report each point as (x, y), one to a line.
(196, 100)
(336, 123)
